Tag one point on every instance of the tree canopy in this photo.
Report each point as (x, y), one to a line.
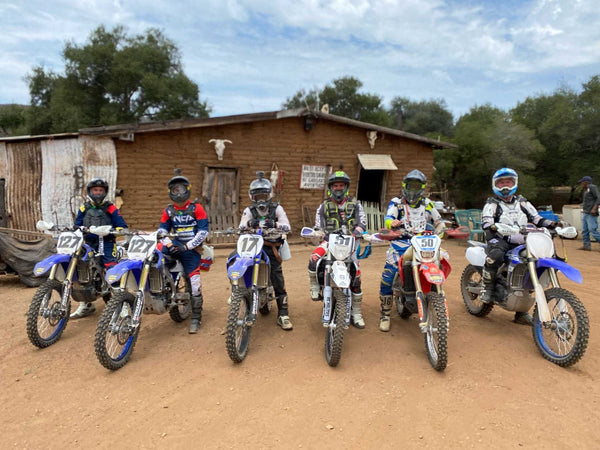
(113, 78)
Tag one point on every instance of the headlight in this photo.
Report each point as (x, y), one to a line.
(341, 252)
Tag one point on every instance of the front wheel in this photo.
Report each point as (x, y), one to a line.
(334, 335)
(237, 333)
(565, 340)
(115, 335)
(46, 319)
(436, 336)
(471, 285)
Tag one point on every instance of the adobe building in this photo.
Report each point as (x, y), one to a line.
(297, 149)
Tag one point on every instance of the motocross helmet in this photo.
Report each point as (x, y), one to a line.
(338, 176)
(260, 193)
(97, 199)
(505, 174)
(413, 187)
(179, 188)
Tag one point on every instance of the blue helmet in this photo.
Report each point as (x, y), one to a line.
(505, 191)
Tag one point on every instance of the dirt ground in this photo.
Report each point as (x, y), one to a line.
(181, 390)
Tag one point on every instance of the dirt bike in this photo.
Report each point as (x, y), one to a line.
(430, 268)
(75, 271)
(150, 283)
(251, 289)
(335, 272)
(560, 320)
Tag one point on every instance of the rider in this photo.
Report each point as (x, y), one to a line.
(270, 214)
(411, 212)
(339, 210)
(511, 209)
(188, 219)
(97, 212)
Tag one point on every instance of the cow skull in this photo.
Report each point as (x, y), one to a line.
(220, 146)
(372, 137)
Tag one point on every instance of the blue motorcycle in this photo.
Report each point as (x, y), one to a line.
(74, 271)
(530, 275)
(149, 282)
(251, 290)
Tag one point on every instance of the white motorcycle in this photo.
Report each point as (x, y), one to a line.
(335, 272)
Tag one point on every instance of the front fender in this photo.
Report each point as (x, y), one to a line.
(115, 273)
(432, 273)
(46, 264)
(570, 272)
(239, 267)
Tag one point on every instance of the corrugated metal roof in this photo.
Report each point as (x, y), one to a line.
(377, 162)
(126, 129)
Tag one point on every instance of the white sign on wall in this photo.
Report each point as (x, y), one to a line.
(313, 177)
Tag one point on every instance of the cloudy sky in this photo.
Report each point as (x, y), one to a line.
(251, 55)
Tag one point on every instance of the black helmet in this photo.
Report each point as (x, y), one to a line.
(179, 188)
(413, 186)
(260, 189)
(97, 199)
(335, 177)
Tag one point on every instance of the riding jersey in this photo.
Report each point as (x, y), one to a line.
(332, 216)
(275, 211)
(189, 221)
(105, 214)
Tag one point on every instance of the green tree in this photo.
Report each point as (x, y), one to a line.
(344, 99)
(114, 78)
(13, 119)
(487, 141)
(426, 118)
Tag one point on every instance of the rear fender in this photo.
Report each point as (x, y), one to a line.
(46, 264)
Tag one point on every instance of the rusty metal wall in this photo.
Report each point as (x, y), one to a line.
(62, 180)
(99, 157)
(24, 182)
(3, 168)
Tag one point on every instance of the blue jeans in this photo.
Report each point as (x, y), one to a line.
(589, 226)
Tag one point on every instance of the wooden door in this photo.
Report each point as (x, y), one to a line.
(220, 192)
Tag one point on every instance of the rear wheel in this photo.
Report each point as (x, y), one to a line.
(237, 333)
(565, 340)
(183, 310)
(115, 334)
(436, 336)
(46, 319)
(471, 285)
(334, 336)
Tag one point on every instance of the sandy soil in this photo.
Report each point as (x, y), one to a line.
(181, 390)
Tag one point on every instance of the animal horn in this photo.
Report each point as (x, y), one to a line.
(212, 140)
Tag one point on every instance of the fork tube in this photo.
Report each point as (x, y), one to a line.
(140, 292)
(540, 296)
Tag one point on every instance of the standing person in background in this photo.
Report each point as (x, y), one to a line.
(589, 225)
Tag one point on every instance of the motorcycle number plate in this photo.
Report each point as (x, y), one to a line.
(141, 246)
(249, 245)
(69, 242)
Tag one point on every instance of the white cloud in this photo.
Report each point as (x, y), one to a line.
(250, 55)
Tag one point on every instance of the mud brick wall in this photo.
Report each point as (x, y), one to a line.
(146, 164)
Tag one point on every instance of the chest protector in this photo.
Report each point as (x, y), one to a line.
(336, 218)
(510, 213)
(96, 216)
(271, 212)
(414, 220)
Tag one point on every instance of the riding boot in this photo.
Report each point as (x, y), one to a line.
(196, 317)
(357, 318)
(386, 311)
(409, 288)
(489, 285)
(283, 318)
(315, 289)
